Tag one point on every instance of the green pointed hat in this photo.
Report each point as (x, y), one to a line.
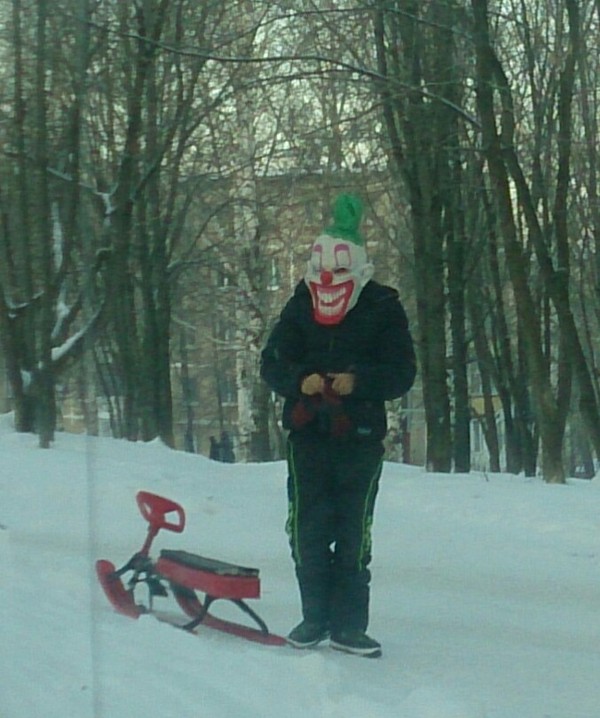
(347, 213)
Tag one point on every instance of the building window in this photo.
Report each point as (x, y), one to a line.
(224, 331)
(189, 389)
(228, 390)
(223, 277)
(476, 435)
(274, 275)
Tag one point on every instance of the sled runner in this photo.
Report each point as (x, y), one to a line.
(184, 574)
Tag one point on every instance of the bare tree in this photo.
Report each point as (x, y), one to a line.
(41, 324)
(502, 163)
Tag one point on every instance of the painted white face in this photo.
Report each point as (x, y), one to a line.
(335, 275)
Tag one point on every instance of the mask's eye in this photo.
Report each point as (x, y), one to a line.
(316, 259)
(343, 258)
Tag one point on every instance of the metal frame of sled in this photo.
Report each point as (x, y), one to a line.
(184, 573)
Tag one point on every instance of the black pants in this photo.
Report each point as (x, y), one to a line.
(332, 486)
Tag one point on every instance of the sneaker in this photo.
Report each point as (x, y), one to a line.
(356, 642)
(307, 635)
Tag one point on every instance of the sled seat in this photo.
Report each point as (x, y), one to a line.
(216, 578)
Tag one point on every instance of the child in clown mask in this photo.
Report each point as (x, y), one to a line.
(340, 349)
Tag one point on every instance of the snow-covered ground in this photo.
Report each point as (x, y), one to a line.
(486, 593)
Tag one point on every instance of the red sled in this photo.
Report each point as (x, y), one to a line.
(183, 574)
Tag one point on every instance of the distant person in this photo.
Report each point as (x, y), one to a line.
(340, 349)
(227, 454)
(215, 449)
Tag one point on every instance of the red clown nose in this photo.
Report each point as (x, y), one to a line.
(326, 277)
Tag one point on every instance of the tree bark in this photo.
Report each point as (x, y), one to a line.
(43, 373)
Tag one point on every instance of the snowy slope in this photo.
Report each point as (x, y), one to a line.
(486, 593)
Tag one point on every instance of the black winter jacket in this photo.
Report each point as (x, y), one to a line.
(372, 341)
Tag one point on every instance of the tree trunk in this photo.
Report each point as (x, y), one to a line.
(43, 374)
(485, 363)
(416, 155)
(456, 242)
(451, 188)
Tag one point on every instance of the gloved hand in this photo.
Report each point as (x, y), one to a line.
(343, 383)
(312, 384)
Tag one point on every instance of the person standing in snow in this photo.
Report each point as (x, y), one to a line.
(215, 449)
(340, 348)
(227, 454)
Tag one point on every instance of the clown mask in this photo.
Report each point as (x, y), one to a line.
(336, 274)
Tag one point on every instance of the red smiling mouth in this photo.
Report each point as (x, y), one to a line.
(330, 302)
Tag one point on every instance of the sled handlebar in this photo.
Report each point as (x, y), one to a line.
(156, 509)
